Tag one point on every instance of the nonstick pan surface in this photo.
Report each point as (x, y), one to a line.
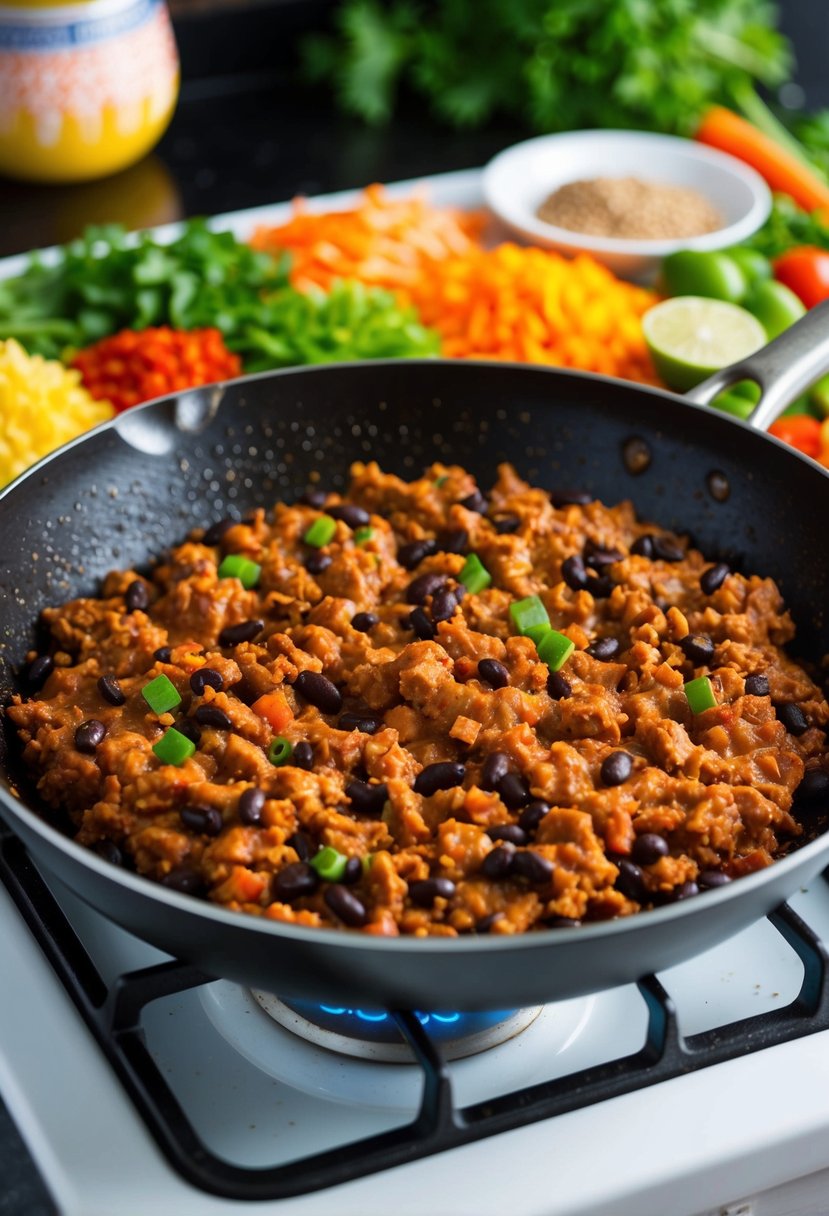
(139, 484)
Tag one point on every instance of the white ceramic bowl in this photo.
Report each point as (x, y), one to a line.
(519, 179)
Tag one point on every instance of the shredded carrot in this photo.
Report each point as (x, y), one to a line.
(533, 305)
(383, 242)
(723, 129)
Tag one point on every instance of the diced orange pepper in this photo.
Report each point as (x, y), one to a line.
(274, 709)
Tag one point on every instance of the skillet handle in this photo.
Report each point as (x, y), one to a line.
(784, 369)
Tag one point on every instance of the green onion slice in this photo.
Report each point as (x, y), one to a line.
(280, 750)
(320, 532)
(528, 614)
(173, 747)
(555, 649)
(700, 695)
(161, 695)
(474, 576)
(237, 566)
(362, 535)
(329, 864)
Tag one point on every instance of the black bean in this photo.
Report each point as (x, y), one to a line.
(505, 525)
(188, 728)
(250, 806)
(364, 621)
(574, 573)
(561, 922)
(353, 871)
(604, 649)
(444, 775)
(498, 863)
(570, 498)
(216, 531)
(630, 881)
(558, 687)
(532, 866)
(136, 596)
(455, 541)
(111, 690)
(532, 815)
(709, 880)
(419, 590)
(459, 591)
(211, 715)
(245, 631)
(792, 717)
(427, 890)
(350, 514)
(412, 554)
(814, 787)
(648, 848)
(698, 648)
(514, 791)
(367, 799)
(486, 922)
(205, 819)
(713, 577)
(205, 677)
(496, 766)
(600, 586)
(510, 832)
(420, 623)
(493, 673)
(163, 654)
(314, 497)
(616, 768)
(293, 882)
(303, 756)
(667, 550)
(301, 845)
(110, 852)
(685, 890)
(88, 735)
(319, 691)
(444, 605)
(757, 686)
(39, 670)
(599, 556)
(475, 502)
(184, 879)
(363, 721)
(643, 546)
(345, 904)
(316, 562)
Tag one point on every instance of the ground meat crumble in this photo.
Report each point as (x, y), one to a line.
(457, 784)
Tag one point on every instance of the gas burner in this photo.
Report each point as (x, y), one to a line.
(372, 1034)
(554, 1042)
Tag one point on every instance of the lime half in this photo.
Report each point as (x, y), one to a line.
(691, 337)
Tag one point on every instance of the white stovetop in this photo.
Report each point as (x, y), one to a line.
(677, 1149)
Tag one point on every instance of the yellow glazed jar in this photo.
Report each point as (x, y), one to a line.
(87, 87)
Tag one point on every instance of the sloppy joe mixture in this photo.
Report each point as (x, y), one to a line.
(422, 709)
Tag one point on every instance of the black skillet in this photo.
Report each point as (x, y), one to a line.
(138, 484)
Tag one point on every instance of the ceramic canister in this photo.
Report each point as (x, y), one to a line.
(85, 88)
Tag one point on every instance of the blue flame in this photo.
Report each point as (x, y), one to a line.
(378, 1025)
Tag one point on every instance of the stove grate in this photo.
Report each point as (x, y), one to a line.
(114, 1017)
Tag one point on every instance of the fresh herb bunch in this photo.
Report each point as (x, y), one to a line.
(554, 64)
(788, 227)
(106, 281)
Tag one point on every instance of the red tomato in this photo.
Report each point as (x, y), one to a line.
(806, 272)
(802, 431)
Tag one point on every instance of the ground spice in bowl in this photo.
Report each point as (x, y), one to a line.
(629, 208)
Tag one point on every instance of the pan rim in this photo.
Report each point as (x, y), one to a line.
(538, 939)
(211, 913)
(528, 369)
